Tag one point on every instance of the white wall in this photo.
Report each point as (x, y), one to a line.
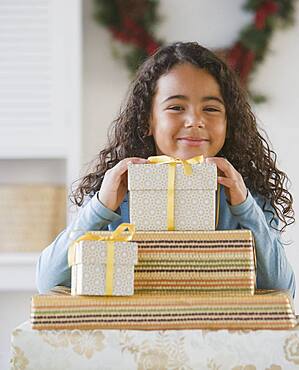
(214, 24)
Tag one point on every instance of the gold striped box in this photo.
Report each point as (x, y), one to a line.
(264, 310)
(206, 262)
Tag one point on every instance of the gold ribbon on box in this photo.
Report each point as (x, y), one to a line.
(187, 165)
(115, 236)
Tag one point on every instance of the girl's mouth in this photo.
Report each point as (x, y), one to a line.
(192, 141)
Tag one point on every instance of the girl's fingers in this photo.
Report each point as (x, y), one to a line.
(223, 165)
(122, 166)
(136, 160)
(115, 183)
(225, 181)
(235, 188)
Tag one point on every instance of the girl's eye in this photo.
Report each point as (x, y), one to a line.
(212, 109)
(176, 108)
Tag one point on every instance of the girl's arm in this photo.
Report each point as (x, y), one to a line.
(273, 269)
(52, 266)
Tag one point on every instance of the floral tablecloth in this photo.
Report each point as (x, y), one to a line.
(154, 350)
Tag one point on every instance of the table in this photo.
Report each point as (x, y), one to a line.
(154, 350)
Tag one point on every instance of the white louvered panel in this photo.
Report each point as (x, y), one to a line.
(32, 78)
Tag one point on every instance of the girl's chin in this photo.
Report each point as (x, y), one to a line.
(191, 154)
(185, 154)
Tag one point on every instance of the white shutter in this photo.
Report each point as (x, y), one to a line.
(33, 78)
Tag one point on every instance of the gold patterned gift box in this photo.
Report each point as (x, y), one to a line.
(172, 194)
(264, 310)
(103, 265)
(206, 262)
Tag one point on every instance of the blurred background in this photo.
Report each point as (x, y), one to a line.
(60, 87)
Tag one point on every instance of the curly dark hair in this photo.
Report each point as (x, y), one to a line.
(244, 146)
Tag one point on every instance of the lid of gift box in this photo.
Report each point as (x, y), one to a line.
(155, 177)
(95, 252)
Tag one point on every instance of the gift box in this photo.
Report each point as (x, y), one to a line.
(103, 264)
(264, 310)
(206, 262)
(218, 262)
(172, 195)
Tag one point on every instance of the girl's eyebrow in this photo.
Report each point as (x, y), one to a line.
(206, 98)
(184, 97)
(175, 97)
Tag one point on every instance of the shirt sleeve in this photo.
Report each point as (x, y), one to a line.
(273, 268)
(52, 266)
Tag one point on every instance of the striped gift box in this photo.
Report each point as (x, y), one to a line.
(264, 310)
(209, 262)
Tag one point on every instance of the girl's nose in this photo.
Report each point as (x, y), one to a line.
(195, 121)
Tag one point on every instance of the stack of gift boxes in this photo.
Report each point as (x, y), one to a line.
(168, 268)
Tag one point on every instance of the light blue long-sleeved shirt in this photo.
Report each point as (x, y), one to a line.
(273, 269)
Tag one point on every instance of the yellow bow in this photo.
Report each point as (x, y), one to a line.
(115, 236)
(172, 162)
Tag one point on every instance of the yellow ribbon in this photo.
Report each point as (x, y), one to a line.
(115, 236)
(172, 162)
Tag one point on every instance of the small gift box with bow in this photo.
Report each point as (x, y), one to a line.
(103, 263)
(172, 194)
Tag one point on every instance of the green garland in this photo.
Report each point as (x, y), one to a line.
(133, 22)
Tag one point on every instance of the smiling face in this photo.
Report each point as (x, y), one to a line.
(188, 115)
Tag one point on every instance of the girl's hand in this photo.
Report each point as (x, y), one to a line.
(115, 183)
(235, 188)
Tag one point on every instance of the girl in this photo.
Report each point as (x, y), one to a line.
(185, 102)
